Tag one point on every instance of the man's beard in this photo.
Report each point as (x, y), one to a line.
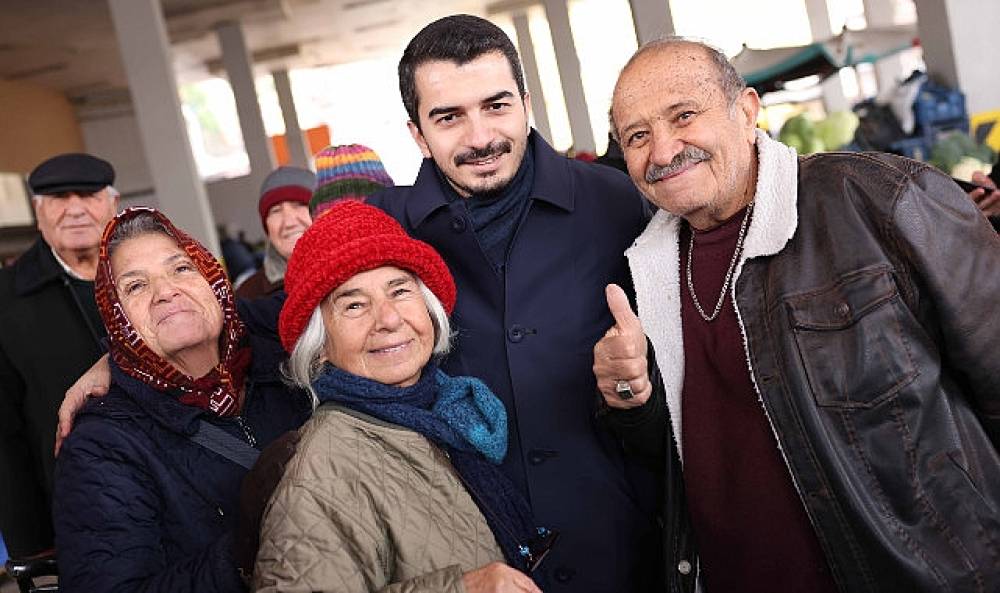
(491, 186)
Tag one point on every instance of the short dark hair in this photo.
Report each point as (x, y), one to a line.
(459, 38)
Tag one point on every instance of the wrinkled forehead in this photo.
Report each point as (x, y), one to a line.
(666, 76)
(144, 250)
(376, 278)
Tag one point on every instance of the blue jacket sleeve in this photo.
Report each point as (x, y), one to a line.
(107, 512)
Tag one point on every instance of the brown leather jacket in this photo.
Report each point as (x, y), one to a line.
(866, 299)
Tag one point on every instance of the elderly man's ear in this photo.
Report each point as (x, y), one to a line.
(748, 105)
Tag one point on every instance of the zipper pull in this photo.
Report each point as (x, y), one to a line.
(246, 431)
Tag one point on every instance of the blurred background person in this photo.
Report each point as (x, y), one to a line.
(349, 171)
(238, 256)
(50, 332)
(987, 199)
(147, 490)
(284, 213)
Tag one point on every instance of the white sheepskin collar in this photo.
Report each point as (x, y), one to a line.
(654, 260)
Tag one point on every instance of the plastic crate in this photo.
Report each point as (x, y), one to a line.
(917, 148)
(936, 105)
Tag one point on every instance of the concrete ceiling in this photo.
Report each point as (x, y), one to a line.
(70, 45)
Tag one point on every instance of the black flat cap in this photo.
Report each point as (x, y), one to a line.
(71, 172)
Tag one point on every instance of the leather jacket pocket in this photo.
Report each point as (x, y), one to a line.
(850, 341)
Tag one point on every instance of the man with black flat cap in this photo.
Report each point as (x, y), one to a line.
(50, 333)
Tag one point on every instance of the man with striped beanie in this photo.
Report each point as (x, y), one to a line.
(349, 171)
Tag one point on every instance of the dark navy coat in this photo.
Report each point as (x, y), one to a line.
(140, 507)
(48, 338)
(529, 331)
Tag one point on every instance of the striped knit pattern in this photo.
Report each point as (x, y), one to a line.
(351, 171)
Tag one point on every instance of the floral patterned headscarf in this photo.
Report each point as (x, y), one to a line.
(221, 390)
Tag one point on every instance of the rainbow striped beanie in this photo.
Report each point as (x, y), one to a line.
(350, 171)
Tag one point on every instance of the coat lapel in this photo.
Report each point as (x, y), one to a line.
(654, 260)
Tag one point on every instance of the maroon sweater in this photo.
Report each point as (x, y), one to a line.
(750, 526)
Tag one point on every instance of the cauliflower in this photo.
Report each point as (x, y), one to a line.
(967, 166)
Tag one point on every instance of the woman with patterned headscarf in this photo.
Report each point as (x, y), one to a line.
(148, 485)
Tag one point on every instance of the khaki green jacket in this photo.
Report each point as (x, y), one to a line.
(369, 506)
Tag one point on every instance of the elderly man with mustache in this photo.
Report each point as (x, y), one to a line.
(824, 332)
(50, 332)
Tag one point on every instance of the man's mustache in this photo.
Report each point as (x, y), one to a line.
(691, 155)
(492, 149)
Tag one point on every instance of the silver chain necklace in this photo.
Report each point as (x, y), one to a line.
(729, 273)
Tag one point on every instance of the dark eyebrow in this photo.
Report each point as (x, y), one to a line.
(447, 110)
(441, 111)
(498, 96)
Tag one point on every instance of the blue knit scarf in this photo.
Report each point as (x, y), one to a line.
(465, 418)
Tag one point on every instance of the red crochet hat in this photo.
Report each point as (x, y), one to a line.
(350, 238)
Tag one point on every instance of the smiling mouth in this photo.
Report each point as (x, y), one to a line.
(484, 162)
(390, 349)
(171, 315)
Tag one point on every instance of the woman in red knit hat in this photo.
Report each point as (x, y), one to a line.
(395, 480)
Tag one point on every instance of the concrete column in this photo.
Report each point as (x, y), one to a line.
(959, 40)
(819, 20)
(652, 20)
(295, 140)
(145, 52)
(557, 13)
(880, 13)
(889, 71)
(526, 48)
(834, 98)
(236, 61)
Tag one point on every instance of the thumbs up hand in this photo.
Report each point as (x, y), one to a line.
(620, 356)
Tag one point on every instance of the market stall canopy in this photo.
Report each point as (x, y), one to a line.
(768, 69)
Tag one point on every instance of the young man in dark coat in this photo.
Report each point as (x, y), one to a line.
(532, 238)
(50, 333)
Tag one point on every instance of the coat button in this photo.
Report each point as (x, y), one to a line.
(515, 334)
(684, 567)
(564, 574)
(458, 224)
(540, 456)
(843, 311)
